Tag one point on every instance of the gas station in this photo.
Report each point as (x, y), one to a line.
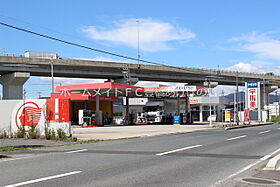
(92, 104)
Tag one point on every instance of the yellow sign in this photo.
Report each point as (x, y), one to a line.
(227, 115)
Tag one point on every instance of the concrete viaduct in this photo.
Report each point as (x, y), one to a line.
(15, 71)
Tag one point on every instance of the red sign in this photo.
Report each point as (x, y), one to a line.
(28, 115)
(246, 115)
(252, 98)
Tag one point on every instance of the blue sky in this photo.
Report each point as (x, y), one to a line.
(239, 35)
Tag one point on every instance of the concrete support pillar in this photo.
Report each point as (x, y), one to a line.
(13, 84)
(127, 116)
(98, 114)
(200, 113)
(188, 106)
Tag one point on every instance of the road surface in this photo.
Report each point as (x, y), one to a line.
(202, 158)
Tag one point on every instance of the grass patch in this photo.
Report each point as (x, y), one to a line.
(11, 148)
(275, 119)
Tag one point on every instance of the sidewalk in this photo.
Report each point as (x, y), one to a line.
(119, 132)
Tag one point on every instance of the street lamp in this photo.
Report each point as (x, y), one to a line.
(52, 75)
(126, 76)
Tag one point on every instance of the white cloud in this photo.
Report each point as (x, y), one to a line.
(254, 67)
(154, 35)
(263, 45)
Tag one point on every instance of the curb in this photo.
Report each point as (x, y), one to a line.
(272, 163)
(3, 156)
(245, 126)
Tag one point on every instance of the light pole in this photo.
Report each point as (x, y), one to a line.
(52, 75)
(138, 44)
(126, 75)
(210, 109)
(237, 100)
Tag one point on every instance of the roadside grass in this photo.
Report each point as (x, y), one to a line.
(275, 119)
(30, 147)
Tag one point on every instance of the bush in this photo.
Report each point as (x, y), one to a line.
(4, 134)
(20, 133)
(47, 133)
(50, 134)
(53, 134)
(32, 133)
(275, 119)
(61, 134)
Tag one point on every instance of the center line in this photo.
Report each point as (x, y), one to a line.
(177, 150)
(264, 132)
(43, 179)
(76, 151)
(237, 137)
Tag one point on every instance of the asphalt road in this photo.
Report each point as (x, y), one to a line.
(201, 158)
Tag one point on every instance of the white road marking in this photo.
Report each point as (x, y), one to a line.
(264, 132)
(177, 150)
(236, 137)
(278, 128)
(76, 151)
(220, 182)
(43, 179)
(270, 155)
(20, 158)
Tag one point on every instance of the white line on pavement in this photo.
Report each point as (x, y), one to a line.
(236, 137)
(278, 128)
(177, 150)
(270, 155)
(12, 159)
(264, 132)
(43, 179)
(220, 182)
(76, 151)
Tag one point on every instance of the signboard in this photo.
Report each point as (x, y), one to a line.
(27, 114)
(227, 115)
(252, 84)
(171, 89)
(177, 120)
(246, 115)
(252, 98)
(252, 91)
(193, 100)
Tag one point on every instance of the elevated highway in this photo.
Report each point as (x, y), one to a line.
(113, 70)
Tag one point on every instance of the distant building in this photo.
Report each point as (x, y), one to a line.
(200, 107)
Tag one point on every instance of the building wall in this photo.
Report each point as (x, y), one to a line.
(17, 114)
(24, 114)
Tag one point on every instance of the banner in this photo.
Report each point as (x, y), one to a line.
(227, 115)
(252, 92)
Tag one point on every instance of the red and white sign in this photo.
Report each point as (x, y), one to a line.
(252, 98)
(246, 115)
(193, 101)
(28, 115)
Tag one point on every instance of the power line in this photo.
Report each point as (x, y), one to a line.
(90, 48)
(79, 45)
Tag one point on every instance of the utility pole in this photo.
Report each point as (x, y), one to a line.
(138, 43)
(237, 99)
(52, 75)
(126, 75)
